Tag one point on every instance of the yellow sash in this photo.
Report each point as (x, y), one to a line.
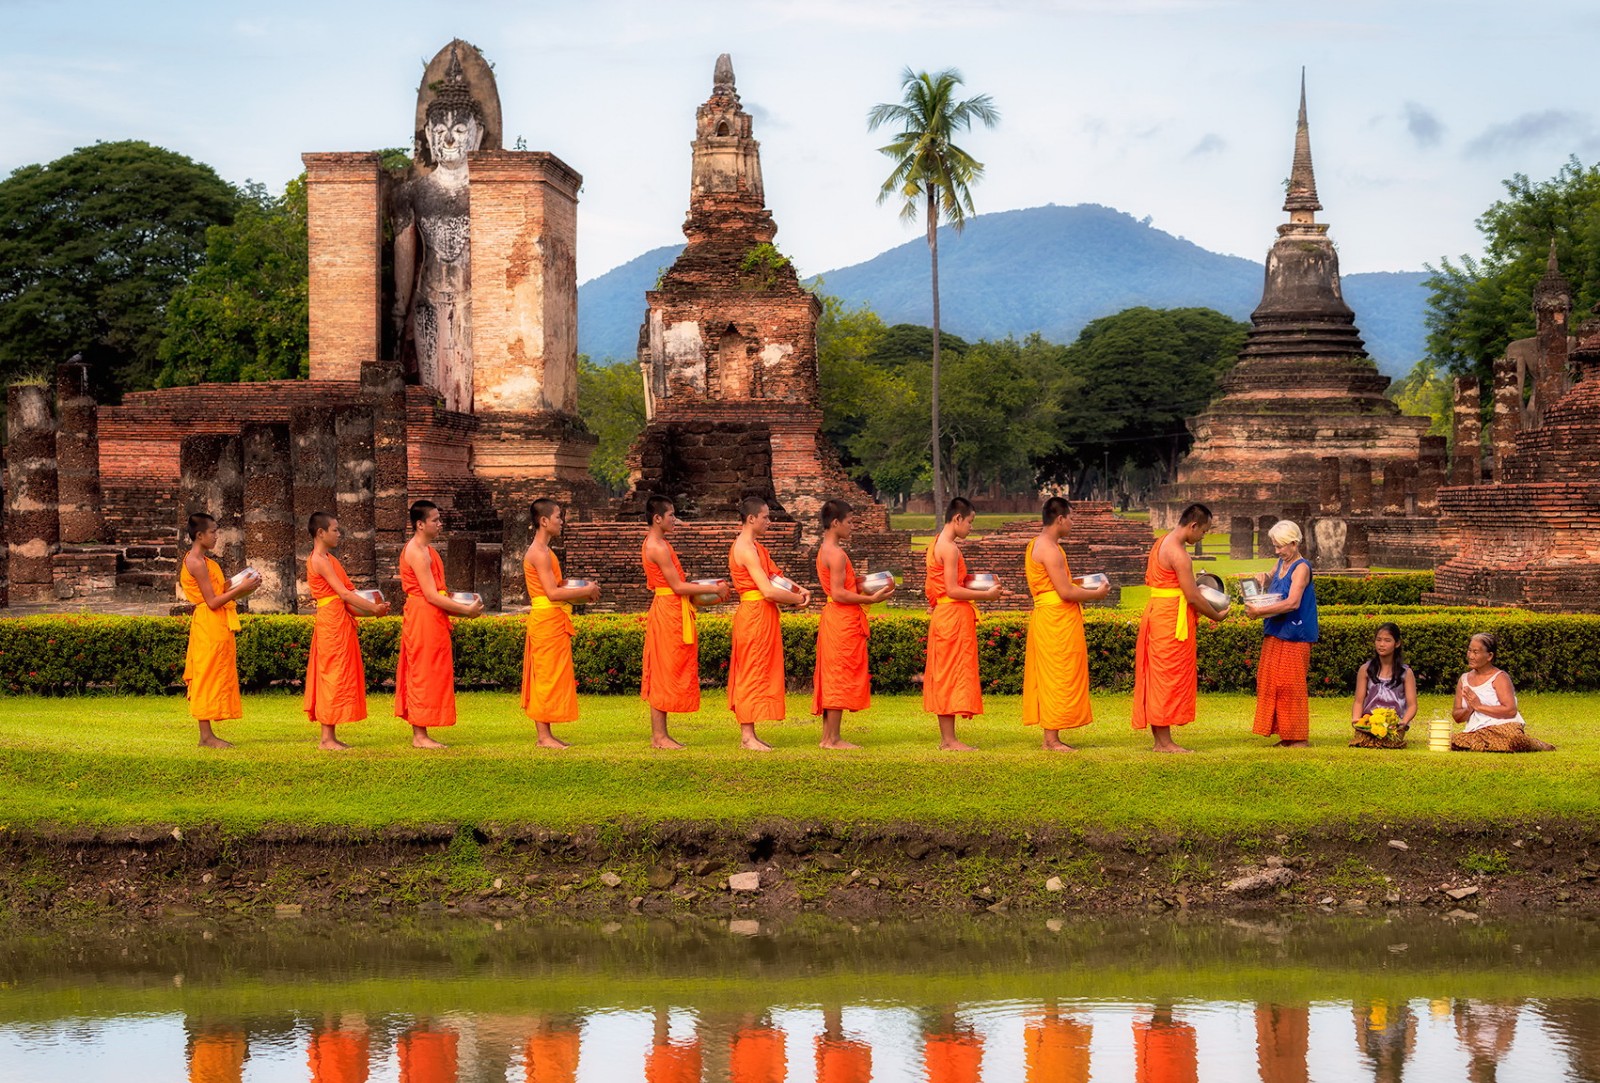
(687, 609)
(1181, 633)
(977, 614)
(752, 596)
(1048, 597)
(542, 602)
(230, 613)
(324, 601)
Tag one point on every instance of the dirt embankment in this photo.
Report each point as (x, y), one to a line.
(782, 868)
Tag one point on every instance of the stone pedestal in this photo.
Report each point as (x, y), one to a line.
(78, 456)
(269, 527)
(33, 533)
(486, 575)
(1241, 537)
(1357, 547)
(460, 556)
(344, 211)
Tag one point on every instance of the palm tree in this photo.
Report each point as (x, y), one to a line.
(935, 176)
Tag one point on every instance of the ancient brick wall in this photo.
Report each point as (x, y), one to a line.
(1100, 542)
(344, 211)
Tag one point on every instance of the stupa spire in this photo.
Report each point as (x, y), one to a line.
(1301, 202)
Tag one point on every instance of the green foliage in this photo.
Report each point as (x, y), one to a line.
(1426, 391)
(64, 655)
(611, 404)
(1478, 306)
(1396, 590)
(763, 265)
(245, 313)
(92, 247)
(1490, 863)
(931, 173)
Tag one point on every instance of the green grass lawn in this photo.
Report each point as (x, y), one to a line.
(127, 760)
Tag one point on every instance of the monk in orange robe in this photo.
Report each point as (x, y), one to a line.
(1055, 671)
(755, 667)
(211, 666)
(1165, 673)
(1056, 1050)
(950, 684)
(841, 1059)
(549, 689)
(953, 1054)
(670, 683)
(217, 1055)
(1283, 1037)
(756, 1055)
(551, 1055)
(842, 681)
(427, 1056)
(669, 1061)
(336, 680)
(338, 1056)
(425, 679)
(1164, 1050)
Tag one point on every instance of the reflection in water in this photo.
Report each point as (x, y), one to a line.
(689, 1004)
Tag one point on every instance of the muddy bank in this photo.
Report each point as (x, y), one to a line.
(779, 869)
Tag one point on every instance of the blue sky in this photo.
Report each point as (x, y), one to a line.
(1182, 110)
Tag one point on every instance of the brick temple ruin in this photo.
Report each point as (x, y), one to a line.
(1302, 429)
(1532, 537)
(451, 378)
(728, 356)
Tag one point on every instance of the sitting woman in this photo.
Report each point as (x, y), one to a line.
(1487, 703)
(1384, 681)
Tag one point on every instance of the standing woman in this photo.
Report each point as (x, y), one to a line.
(1282, 705)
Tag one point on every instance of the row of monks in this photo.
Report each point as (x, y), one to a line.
(1056, 1049)
(1056, 672)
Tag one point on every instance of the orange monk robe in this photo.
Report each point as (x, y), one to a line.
(338, 1056)
(425, 679)
(217, 1056)
(1055, 670)
(755, 666)
(211, 667)
(671, 679)
(953, 1058)
(841, 681)
(1056, 1051)
(843, 1060)
(1165, 673)
(1164, 1052)
(549, 690)
(336, 680)
(427, 1056)
(950, 680)
(757, 1056)
(1283, 1037)
(552, 1056)
(674, 1062)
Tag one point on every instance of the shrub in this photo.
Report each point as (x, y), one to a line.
(1400, 589)
(62, 655)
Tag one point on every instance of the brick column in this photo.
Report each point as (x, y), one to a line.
(1394, 488)
(344, 219)
(315, 458)
(269, 522)
(460, 558)
(1330, 488)
(486, 575)
(1357, 546)
(1432, 460)
(385, 387)
(1507, 412)
(1264, 546)
(211, 479)
(516, 534)
(1360, 487)
(353, 430)
(1241, 537)
(1466, 462)
(33, 529)
(78, 456)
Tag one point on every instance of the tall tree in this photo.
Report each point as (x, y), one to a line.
(934, 177)
(92, 246)
(611, 404)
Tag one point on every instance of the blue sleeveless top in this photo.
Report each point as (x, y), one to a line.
(1297, 625)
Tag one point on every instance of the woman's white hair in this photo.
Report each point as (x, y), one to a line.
(1283, 532)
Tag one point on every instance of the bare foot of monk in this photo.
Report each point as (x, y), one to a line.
(838, 745)
(332, 744)
(420, 738)
(748, 739)
(1053, 743)
(208, 739)
(1164, 741)
(953, 745)
(547, 739)
(666, 743)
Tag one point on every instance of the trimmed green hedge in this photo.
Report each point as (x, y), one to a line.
(63, 655)
(1389, 591)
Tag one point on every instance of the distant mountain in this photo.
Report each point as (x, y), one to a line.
(1047, 269)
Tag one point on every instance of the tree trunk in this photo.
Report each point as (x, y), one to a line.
(933, 252)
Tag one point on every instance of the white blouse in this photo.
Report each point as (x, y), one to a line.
(1489, 698)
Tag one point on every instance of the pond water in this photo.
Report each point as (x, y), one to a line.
(999, 1001)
